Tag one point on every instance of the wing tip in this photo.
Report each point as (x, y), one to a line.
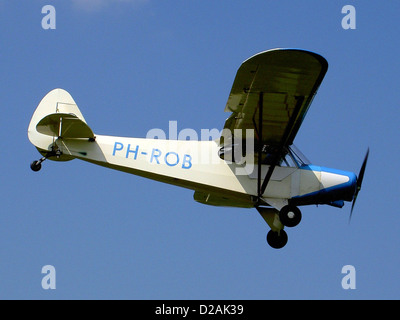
(323, 62)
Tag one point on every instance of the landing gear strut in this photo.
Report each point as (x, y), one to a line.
(288, 216)
(36, 165)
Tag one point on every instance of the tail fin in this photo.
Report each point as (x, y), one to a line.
(57, 116)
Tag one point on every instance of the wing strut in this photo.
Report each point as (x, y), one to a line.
(261, 187)
(280, 148)
(260, 145)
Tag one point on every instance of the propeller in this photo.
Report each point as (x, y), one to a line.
(359, 182)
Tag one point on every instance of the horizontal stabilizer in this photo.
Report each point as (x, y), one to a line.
(64, 125)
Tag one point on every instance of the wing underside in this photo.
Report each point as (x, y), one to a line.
(271, 95)
(283, 83)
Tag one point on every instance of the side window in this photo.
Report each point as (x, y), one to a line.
(294, 158)
(288, 161)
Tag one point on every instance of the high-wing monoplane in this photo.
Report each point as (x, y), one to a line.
(252, 164)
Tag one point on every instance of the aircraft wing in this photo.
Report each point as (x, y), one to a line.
(271, 94)
(283, 83)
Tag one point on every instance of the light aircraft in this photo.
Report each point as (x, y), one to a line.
(269, 99)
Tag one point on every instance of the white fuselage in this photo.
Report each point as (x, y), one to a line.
(196, 165)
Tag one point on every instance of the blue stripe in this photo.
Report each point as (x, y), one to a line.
(344, 191)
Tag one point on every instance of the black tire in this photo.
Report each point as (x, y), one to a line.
(290, 216)
(36, 166)
(277, 240)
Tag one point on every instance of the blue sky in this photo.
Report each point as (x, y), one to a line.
(136, 65)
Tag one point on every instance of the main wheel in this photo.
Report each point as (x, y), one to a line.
(36, 165)
(277, 239)
(290, 216)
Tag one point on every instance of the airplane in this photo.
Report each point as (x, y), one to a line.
(253, 164)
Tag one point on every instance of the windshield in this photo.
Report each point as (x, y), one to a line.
(294, 158)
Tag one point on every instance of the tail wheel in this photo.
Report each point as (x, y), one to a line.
(36, 165)
(277, 239)
(290, 216)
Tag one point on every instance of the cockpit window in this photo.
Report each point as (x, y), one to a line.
(294, 158)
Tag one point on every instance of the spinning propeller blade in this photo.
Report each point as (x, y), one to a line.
(359, 182)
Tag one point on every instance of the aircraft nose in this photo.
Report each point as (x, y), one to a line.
(340, 185)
